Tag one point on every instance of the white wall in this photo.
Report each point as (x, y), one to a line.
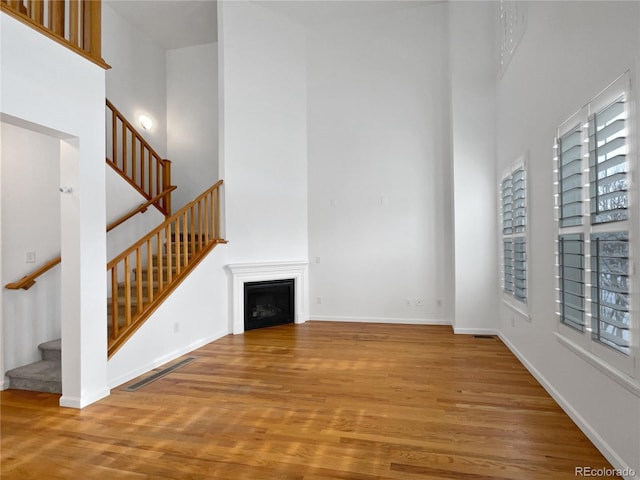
(473, 64)
(264, 140)
(30, 223)
(67, 102)
(192, 120)
(136, 83)
(378, 151)
(569, 52)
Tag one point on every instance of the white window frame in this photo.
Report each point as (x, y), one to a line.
(619, 366)
(519, 306)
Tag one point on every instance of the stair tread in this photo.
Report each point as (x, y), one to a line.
(42, 370)
(51, 345)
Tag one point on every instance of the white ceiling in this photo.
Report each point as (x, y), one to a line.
(183, 23)
(171, 23)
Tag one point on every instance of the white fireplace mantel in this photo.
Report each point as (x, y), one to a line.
(265, 271)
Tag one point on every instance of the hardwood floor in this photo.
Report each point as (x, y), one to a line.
(313, 401)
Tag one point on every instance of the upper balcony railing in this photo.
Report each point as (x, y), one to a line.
(76, 24)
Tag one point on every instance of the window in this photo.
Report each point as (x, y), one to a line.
(593, 226)
(513, 195)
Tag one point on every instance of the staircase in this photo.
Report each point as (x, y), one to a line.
(145, 274)
(42, 376)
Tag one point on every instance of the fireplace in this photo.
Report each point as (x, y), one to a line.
(267, 304)
(243, 273)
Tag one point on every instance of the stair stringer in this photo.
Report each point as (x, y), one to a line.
(196, 313)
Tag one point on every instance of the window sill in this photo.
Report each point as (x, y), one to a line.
(517, 308)
(622, 379)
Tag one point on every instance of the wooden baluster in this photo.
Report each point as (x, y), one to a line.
(139, 278)
(114, 134)
(160, 248)
(166, 183)
(124, 147)
(170, 249)
(150, 270)
(206, 219)
(142, 153)
(175, 232)
(56, 16)
(200, 232)
(158, 182)
(18, 6)
(73, 23)
(36, 12)
(186, 239)
(150, 172)
(114, 302)
(127, 292)
(133, 157)
(192, 228)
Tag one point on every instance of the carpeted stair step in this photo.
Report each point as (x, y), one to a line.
(42, 376)
(51, 350)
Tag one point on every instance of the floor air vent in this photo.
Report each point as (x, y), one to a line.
(157, 375)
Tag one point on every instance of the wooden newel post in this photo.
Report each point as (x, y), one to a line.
(166, 183)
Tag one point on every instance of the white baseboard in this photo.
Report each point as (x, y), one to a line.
(125, 377)
(399, 321)
(5, 384)
(587, 429)
(77, 402)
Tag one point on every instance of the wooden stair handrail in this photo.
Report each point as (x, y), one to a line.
(28, 281)
(81, 32)
(165, 256)
(137, 162)
(140, 209)
(155, 231)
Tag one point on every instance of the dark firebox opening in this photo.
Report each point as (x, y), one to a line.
(269, 303)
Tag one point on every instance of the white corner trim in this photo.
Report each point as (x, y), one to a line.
(609, 453)
(125, 377)
(627, 382)
(81, 402)
(5, 384)
(398, 321)
(265, 271)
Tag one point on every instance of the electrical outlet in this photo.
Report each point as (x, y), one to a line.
(317, 259)
(419, 302)
(439, 303)
(408, 302)
(318, 300)
(176, 327)
(30, 257)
